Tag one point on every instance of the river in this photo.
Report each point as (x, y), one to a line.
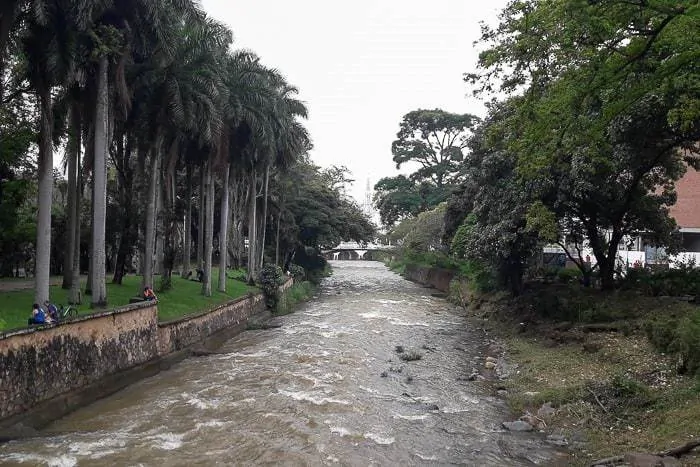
(327, 387)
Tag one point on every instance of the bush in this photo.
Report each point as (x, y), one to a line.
(237, 274)
(271, 278)
(679, 336)
(299, 292)
(682, 281)
(297, 272)
(478, 276)
(569, 276)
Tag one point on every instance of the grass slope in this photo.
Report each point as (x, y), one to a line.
(609, 384)
(183, 298)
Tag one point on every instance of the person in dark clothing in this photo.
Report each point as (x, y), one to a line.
(148, 294)
(52, 310)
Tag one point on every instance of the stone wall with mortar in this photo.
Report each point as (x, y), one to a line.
(184, 332)
(434, 277)
(39, 363)
(48, 371)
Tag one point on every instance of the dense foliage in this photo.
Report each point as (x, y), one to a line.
(434, 141)
(596, 119)
(162, 121)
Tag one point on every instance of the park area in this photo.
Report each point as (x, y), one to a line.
(183, 298)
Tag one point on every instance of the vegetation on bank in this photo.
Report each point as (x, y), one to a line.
(593, 118)
(305, 285)
(162, 120)
(181, 299)
(597, 360)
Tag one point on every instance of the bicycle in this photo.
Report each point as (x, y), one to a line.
(66, 313)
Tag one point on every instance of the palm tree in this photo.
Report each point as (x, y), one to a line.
(48, 57)
(99, 188)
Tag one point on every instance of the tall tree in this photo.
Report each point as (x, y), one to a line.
(435, 140)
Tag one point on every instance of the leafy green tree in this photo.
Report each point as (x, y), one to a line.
(315, 214)
(486, 220)
(609, 104)
(397, 198)
(435, 140)
(423, 233)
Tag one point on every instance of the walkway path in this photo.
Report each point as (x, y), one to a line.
(11, 285)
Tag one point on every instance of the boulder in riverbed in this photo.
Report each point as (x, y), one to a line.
(518, 425)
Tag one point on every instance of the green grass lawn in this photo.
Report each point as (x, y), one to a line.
(183, 298)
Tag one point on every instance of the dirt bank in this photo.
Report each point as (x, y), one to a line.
(595, 386)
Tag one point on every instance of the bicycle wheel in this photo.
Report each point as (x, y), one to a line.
(72, 312)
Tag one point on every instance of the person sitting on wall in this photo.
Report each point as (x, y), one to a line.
(52, 311)
(38, 315)
(148, 294)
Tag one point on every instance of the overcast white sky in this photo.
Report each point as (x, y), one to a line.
(361, 65)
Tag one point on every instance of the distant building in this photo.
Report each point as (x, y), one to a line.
(635, 251)
(686, 211)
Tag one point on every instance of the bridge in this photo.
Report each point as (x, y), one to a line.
(355, 251)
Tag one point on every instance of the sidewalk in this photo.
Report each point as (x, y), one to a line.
(12, 285)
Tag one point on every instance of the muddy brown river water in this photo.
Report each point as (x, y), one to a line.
(325, 388)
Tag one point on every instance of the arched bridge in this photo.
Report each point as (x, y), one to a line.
(355, 251)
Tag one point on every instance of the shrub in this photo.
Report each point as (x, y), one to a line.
(688, 343)
(569, 276)
(679, 336)
(299, 292)
(270, 278)
(685, 280)
(297, 272)
(237, 274)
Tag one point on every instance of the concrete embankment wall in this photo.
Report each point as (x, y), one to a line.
(434, 277)
(182, 333)
(40, 363)
(46, 372)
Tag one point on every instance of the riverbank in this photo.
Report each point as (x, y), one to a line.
(598, 387)
(585, 368)
(183, 298)
(49, 371)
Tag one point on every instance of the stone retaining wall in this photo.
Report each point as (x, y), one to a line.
(182, 333)
(438, 278)
(48, 371)
(39, 363)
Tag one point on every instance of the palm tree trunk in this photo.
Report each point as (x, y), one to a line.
(88, 281)
(187, 243)
(200, 226)
(208, 230)
(223, 231)
(264, 215)
(149, 236)
(45, 199)
(73, 154)
(128, 236)
(74, 297)
(160, 226)
(252, 235)
(277, 239)
(169, 221)
(99, 189)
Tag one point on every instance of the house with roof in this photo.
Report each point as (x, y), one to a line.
(634, 250)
